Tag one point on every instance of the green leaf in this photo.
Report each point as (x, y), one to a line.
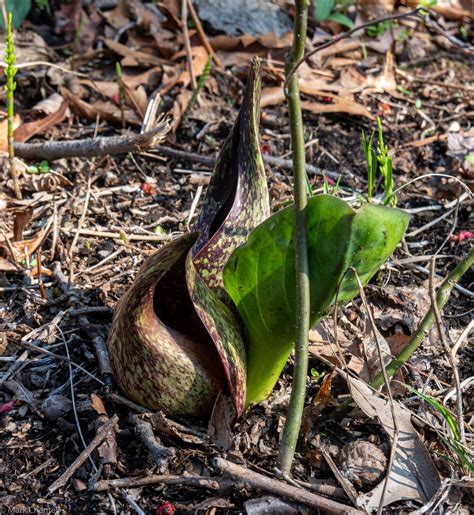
(19, 10)
(259, 275)
(342, 19)
(447, 415)
(323, 9)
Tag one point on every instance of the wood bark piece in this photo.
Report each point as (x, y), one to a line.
(274, 486)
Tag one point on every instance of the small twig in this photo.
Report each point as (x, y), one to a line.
(77, 232)
(34, 64)
(274, 486)
(347, 486)
(155, 479)
(326, 490)
(117, 235)
(448, 352)
(132, 503)
(396, 429)
(194, 204)
(462, 337)
(40, 274)
(93, 147)
(144, 432)
(202, 35)
(16, 365)
(33, 347)
(6, 239)
(102, 356)
(187, 43)
(71, 470)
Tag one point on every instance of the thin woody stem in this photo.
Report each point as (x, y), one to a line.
(295, 408)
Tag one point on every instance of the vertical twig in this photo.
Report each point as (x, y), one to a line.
(448, 352)
(39, 270)
(76, 234)
(202, 34)
(296, 405)
(187, 43)
(396, 430)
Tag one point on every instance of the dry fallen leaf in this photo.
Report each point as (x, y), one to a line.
(322, 343)
(56, 110)
(106, 110)
(335, 104)
(23, 249)
(4, 131)
(133, 57)
(7, 266)
(413, 474)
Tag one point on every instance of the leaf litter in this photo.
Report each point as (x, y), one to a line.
(344, 90)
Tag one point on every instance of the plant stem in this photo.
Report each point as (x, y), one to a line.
(426, 324)
(10, 71)
(295, 408)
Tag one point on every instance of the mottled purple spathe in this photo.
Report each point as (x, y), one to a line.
(175, 340)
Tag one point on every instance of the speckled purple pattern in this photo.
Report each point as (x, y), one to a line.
(181, 365)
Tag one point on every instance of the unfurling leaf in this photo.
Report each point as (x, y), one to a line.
(260, 277)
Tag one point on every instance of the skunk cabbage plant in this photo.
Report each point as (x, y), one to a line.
(213, 311)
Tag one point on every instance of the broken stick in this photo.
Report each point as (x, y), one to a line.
(108, 145)
(277, 487)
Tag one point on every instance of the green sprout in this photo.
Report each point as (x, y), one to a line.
(118, 75)
(385, 166)
(453, 441)
(330, 189)
(10, 71)
(371, 161)
(201, 81)
(378, 160)
(379, 29)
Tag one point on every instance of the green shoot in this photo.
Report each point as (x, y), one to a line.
(385, 166)
(201, 81)
(371, 160)
(10, 71)
(118, 76)
(453, 441)
(378, 160)
(309, 189)
(378, 30)
(330, 189)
